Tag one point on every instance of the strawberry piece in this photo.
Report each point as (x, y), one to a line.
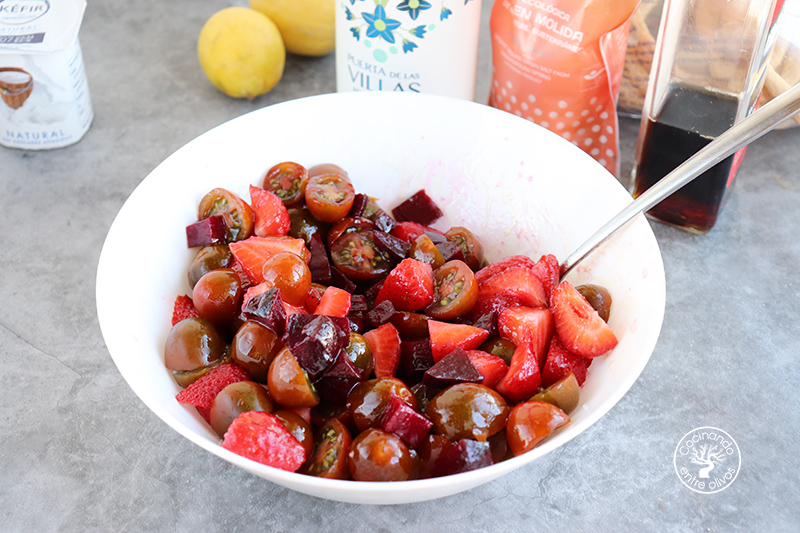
(548, 270)
(447, 337)
(505, 263)
(401, 419)
(409, 231)
(527, 325)
(262, 437)
(183, 308)
(485, 312)
(579, 327)
(334, 302)
(271, 216)
(385, 345)
(561, 362)
(253, 252)
(202, 392)
(518, 281)
(409, 286)
(491, 367)
(523, 377)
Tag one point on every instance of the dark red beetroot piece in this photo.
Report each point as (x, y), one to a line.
(316, 341)
(320, 265)
(358, 304)
(464, 456)
(341, 281)
(415, 356)
(396, 248)
(411, 325)
(455, 367)
(450, 251)
(401, 419)
(359, 204)
(418, 208)
(267, 308)
(380, 314)
(206, 232)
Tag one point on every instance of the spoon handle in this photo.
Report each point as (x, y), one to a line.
(746, 131)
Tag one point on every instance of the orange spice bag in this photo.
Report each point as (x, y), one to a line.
(559, 63)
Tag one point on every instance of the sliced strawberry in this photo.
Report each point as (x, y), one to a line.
(409, 286)
(505, 263)
(523, 377)
(485, 312)
(491, 367)
(527, 325)
(518, 281)
(202, 392)
(271, 216)
(579, 327)
(447, 337)
(183, 308)
(252, 253)
(385, 345)
(334, 302)
(561, 362)
(409, 231)
(548, 270)
(263, 438)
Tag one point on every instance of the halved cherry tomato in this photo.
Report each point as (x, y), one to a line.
(329, 197)
(288, 383)
(327, 168)
(237, 214)
(456, 291)
(531, 422)
(287, 181)
(469, 244)
(423, 249)
(348, 225)
(357, 257)
(329, 459)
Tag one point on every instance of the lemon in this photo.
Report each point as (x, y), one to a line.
(241, 52)
(307, 26)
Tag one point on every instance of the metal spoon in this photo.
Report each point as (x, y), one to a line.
(748, 130)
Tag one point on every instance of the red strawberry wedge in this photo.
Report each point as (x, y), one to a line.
(518, 281)
(384, 342)
(548, 270)
(252, 253)
(504, 264)
(262, 437)
(202, 392)
(334, 302)
(447, 337)
(409, 286)
(527, 325)
(523, 377)
(491, 367)
(271, 216)
(578, 325)
(561, 362)
(183, 308)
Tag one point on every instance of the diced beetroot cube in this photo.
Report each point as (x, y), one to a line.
(316, 341)
(334, 390)
(383, 221)
(340, 280)
(396, 248)
(418, 208)
(450, 251)
(560, 362)
(465, 455)
(455, 367)
(411, 325)
(358, 304)
(344, 368)
(358, 324)
(380, 314)
(371, 293)
(206, 232)
(359, 204)
(415, 356)
(401, 419)
(319, 265)
(268, 309)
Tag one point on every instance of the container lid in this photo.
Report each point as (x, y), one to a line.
(39, 26)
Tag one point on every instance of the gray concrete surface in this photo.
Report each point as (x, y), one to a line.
(79, 451)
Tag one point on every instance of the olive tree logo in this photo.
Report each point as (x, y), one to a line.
(707, 460)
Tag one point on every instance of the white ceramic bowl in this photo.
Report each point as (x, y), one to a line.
(520, 188)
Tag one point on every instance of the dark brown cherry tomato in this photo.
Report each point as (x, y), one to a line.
(218, 296)
(430, 449)
(530, 422)
(348, 225)
(467, 411)
(235, 399)
(423, 249)
(287, 181)
(360, 354)
(299, 428)
(290, 273)
(456, 291)
(327, 168)
(329, 197)
(288, 383)
(304, 225)
(193, 343)
(254, 347)
(598, 297)
(376, 455)
(368, 399)
(329, 458)
(237, 214)
(500, 347)
(208, 258)
(357, 257)
(469, 244)
(564, 393)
